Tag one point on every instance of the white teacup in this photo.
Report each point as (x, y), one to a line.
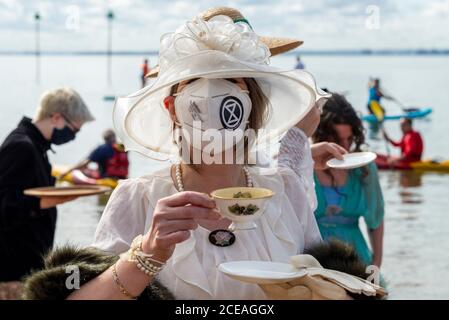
(242, 205)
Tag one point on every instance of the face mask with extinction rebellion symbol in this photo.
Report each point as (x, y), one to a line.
(213, 105)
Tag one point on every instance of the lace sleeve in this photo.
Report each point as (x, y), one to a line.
(295, 191)
(123, 218)
(295, 153)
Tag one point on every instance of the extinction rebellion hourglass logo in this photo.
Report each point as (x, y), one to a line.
(231, 113)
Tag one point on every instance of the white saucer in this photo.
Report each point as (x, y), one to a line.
(261, 272)
(352, 160)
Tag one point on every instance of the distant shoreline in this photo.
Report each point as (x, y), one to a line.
(349, 52)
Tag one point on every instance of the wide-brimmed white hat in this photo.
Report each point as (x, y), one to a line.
(276, 45)
(217, 48)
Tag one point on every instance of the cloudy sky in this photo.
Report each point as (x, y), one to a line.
(322, 24)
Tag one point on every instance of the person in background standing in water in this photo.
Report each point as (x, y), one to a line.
(411, 144)
(110, 157)
(299, 63)
(375, 94)
(27, 224)
(145, 69)
(346, 195)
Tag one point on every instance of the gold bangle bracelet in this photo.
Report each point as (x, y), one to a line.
(119, 284)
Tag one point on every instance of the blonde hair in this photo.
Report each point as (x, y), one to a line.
(260, 105)
(66, 101)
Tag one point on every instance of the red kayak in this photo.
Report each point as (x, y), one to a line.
(381, 162)
(441, 166)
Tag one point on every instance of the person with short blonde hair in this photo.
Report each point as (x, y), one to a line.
(27, 224)
(65, 101)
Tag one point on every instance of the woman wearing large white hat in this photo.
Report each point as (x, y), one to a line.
(165, 221)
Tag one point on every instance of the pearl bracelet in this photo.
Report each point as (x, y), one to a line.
(144, 261)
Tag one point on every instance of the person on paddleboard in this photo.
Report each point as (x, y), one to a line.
(375, 95)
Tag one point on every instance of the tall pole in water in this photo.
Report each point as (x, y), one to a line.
(37, 18)
(110, 17)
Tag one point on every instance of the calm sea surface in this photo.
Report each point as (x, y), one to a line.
(416, 246)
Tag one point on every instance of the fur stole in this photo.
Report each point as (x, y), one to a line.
(49, 283)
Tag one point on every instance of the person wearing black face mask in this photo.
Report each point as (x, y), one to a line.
(64, 135)
(27, 224)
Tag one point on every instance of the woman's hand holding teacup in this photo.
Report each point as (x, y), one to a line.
(173, 218)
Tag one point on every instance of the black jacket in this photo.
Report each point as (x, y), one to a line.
(26, 231)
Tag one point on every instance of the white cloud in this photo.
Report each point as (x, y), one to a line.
(10, 10)
(435, 9)
(138, 24)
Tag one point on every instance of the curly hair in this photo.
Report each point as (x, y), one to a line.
(338, 110)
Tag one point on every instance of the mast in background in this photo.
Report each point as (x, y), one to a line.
(110, 17)
(37, 18)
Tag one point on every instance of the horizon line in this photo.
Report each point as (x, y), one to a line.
(419, 51)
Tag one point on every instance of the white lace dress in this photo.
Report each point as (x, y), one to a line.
(285, 229)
